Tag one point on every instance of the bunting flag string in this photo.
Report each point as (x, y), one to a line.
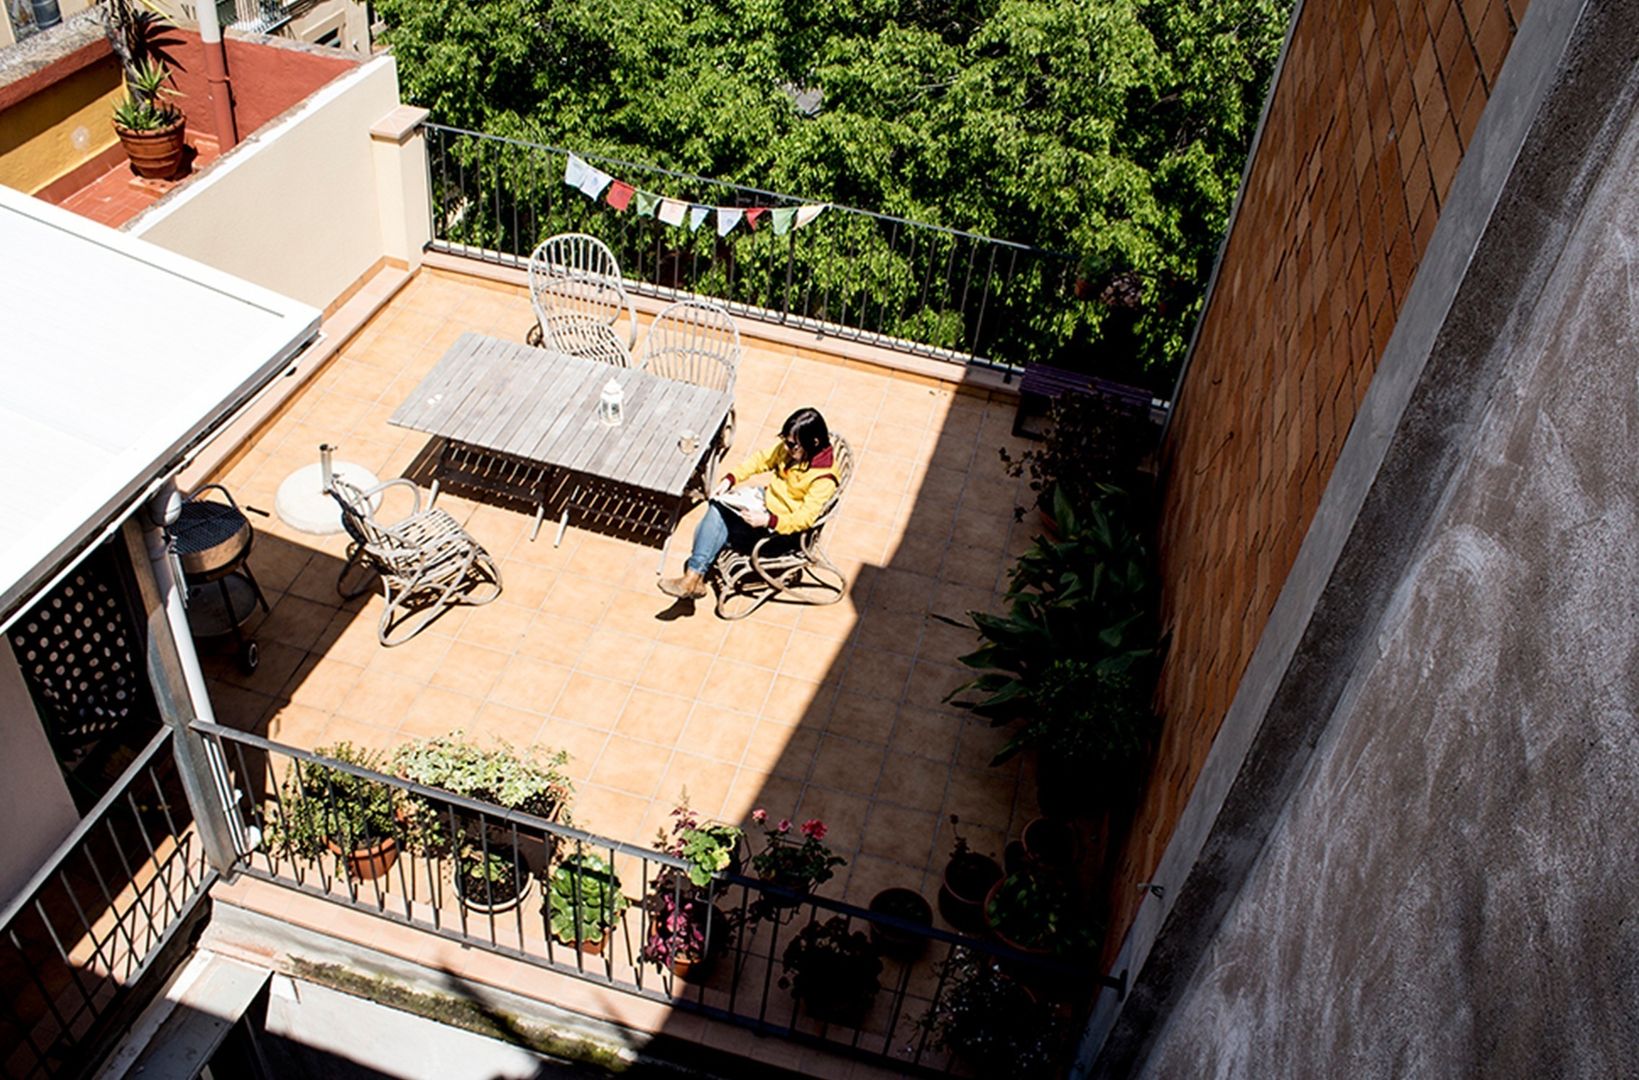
(593, 182)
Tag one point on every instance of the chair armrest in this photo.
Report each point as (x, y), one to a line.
(415, 492)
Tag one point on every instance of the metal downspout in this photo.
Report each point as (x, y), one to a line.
(220, 90)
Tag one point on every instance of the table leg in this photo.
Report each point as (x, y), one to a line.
(563, 526)
(666, 544)
(535, 530)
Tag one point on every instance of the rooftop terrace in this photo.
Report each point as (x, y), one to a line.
(831, 712)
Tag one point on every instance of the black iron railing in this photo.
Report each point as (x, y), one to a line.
(90, 923)
(630, 907)
(850, 273)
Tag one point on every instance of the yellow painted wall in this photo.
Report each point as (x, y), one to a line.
(37, 135)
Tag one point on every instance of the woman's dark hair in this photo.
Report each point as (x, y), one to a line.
(807, 426)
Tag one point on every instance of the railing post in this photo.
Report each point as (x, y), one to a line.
(199, 764)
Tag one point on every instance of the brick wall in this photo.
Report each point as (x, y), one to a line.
(1374, 106)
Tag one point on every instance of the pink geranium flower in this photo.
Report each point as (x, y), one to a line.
(784, 826)
(814, 829)
(759, 815)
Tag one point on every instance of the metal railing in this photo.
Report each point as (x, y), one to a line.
(855, 274)
(631, 908)
(90, 923)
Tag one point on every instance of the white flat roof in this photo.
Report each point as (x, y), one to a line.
(117, 358)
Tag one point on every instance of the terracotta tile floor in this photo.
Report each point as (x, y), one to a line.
(832, 712)
(119, 195)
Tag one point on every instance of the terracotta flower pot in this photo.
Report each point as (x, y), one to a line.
(155, 154)
(904, 904)
(367, 864)
(963, 888)
(1049, 841)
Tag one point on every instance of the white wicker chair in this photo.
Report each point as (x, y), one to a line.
(788, 568)
(696, 341)
(425, 561)
(578, 295)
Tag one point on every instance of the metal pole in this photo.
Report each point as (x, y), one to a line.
(179, 683)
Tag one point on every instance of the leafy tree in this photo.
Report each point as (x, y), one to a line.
(1112, 130)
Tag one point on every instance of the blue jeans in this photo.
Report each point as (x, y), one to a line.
(714, 531)
(722, 527)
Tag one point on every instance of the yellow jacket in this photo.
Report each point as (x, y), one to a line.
(798, 491)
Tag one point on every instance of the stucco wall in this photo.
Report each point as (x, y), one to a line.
(297, 200)
(1449, 889)
(34, 801)
(1373, 109)
(58, 118)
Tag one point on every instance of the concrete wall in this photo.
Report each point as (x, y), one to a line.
(294, 208)
(1409, 851)
(1451, 891)
(1373, 108)
(34, 801)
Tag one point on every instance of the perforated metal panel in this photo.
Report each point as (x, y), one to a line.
(81, 654)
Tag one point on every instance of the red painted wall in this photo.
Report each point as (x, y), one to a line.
(268, 76)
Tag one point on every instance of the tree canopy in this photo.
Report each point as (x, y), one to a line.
(1111, 130)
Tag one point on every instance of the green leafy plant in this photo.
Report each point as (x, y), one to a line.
(1091, 445)
(1070, 662)
(709, 846)
(584, 900)
(1034, 908)
(532, 781)
(832, 970)
(489, 878)
(320, 805)
(992, 1022)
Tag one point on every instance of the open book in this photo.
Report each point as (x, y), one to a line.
(745, 500)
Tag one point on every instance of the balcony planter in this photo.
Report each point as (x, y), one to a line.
(832, 971)
(686, 931)
(904, 904)
(155, 154)
(493, 884)
(584, 902)
(324, 811)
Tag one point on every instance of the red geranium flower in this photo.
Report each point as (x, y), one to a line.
(814, 829)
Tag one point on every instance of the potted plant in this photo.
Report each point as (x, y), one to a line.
(149, 125)
(992, 1023)
(1050, 841)
(1091, 444)
(798, 866)
(685, 929)
(965, 883)
(532, 781)
(710, 847)
(490, 882)
(323, 810)
(1071, 662)
(906, 904)
(584, 901)
(1032, 911)
(832, 970)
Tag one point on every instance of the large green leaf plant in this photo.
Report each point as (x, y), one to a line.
(1071, 663)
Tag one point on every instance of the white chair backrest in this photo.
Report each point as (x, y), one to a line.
(576, 275)
(842, 460)
(693, 341)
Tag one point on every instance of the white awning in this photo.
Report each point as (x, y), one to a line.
(117, 359)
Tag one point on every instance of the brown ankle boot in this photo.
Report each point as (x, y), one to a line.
(688, 587)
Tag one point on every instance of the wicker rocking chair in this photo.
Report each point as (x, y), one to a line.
(775, 567)
(425, 561)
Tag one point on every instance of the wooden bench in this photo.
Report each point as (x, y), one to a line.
(1041, 383)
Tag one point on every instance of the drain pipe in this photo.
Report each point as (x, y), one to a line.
(205, 772)
(216, 75)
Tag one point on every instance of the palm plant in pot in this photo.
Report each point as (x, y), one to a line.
(584, 901)
(150, 126)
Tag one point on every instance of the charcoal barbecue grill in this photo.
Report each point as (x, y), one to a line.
(212, 541)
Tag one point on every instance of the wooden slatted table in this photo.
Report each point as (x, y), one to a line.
(534, 412)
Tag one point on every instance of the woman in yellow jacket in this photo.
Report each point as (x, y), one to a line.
(803, 481)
